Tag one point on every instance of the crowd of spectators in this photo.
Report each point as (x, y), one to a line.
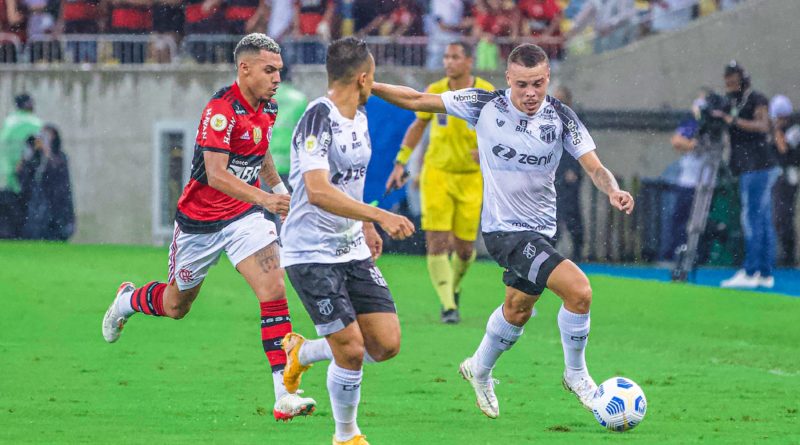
(493, 23)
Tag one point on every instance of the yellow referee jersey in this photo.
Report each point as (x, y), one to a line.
(451, 139)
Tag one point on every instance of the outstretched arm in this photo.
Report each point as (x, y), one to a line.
(606, 183)
(409, 98)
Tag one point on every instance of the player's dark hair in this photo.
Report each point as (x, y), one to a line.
(528, 55)
(345, 57)
(255, 43)
(468, 49)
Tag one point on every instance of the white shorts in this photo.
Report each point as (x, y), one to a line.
(192, 254)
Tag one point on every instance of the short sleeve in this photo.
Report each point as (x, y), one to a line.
(575, 136)
(468, 103)
(216, 125)
(313, 138)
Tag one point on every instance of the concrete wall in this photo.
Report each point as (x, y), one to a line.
(667, 70)
(107, 118)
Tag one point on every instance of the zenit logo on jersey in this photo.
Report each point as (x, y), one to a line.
(518, 167)
(225, 128)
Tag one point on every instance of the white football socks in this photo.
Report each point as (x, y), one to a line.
(344, 388)
(318, 349)
(500, 337)
(277, 384)
(313, 351)
(574, 335)
(124, 305)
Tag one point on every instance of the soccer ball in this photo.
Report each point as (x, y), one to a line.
(619, 404)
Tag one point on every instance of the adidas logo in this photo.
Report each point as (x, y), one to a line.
(245, 136)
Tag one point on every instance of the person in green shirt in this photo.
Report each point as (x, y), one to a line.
(15, 131)
(291, 105)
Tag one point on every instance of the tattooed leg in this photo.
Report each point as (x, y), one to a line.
(263, 273)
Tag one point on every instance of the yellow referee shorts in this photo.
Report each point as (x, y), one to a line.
(451, 202)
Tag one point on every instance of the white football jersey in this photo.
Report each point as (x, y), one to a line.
(519, 155)
(325, 140)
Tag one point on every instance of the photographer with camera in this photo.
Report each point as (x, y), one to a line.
(753, 160)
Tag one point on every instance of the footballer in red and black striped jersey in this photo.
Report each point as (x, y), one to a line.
(228, 125)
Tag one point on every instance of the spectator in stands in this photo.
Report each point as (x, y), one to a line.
(752, 159)
(167, 28)
(39, 18)
(786, 137)
(495, 18)
(281, 15)
(404, 20)
(203, 17)
(15, 131)
(312, 20)
(245, 16)
(447, 21)
(669, 15)
(46, 189)
(369, 15)
(12, 18)
(541, 19)
(130, 17)
(80, 17)
(614, 23)
(569, 177)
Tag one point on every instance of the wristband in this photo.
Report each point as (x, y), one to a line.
(403, 155)
(280, 189)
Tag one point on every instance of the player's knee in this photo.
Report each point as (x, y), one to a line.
(518, 315)
(386, 351)
(465, 254)
(582, 297)
(351, 352)
(273, 291)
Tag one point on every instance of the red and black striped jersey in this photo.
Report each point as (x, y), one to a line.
(231, 126)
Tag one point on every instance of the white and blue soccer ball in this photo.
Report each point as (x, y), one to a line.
(619, 404)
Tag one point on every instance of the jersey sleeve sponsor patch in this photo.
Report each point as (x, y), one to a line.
(216, 126)
(467, 103)
(575, 137)
(313, 138)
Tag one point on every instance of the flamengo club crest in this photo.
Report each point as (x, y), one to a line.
(257, 135)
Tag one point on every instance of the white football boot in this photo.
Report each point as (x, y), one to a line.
(741, 280)
(582, 385)
(289, 406)
(113, 321)
(484, 391)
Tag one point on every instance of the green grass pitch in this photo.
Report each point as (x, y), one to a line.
(718, 367)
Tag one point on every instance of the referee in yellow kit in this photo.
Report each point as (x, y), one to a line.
(450, 183)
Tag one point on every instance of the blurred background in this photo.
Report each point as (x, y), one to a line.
(100, 102)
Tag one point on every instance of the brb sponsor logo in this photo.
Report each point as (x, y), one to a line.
(243, 171)
(466, 97)
(507, 154)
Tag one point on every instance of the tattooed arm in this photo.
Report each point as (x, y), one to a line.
(606, 183)
(268, 172)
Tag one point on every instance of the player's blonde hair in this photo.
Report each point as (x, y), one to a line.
(254, 43)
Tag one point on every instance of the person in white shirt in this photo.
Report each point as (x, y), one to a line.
(522, 134)
(330, 243)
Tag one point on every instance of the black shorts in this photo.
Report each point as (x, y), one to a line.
(528, 257)
(333, 294)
